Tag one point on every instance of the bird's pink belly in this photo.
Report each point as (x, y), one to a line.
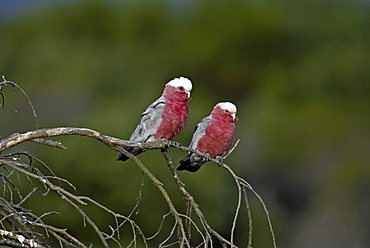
(172, 124)
(216, 145)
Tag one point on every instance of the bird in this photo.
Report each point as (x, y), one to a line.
(164, 118)
(212, 136)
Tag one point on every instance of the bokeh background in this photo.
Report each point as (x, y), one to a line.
(299, 72)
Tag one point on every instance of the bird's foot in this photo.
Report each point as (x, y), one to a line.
(220, 160)
(205, 159)
(166, 143)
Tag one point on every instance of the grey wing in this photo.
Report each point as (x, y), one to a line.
(150, 121)
(200, 130)
(192, 162)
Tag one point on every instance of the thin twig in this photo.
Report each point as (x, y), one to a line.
(267, 216)
(164, 193)
(250, 221)
(6, 82)
(160, 227)
(51, 143)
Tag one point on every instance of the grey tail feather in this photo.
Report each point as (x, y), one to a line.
(185, 164)
(132, 150)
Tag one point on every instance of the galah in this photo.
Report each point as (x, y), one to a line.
(164, 118)
(213, 136)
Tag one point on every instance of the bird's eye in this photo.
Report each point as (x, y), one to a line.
(181, 88)
(227, 111)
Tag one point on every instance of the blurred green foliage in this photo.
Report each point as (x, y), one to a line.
(299, 72)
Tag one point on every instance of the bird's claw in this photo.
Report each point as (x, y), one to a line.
(220, 160)
(166, 144)
(206, 159)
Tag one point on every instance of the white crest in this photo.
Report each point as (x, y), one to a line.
(181, 81)
(227, 106)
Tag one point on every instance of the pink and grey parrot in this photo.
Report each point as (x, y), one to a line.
(164, 118)
(212, 136)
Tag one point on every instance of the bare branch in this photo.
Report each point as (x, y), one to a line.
(18, 138)
(17, 240)
(117, 144)
(68, 197)
(192, 202)
(240, 180)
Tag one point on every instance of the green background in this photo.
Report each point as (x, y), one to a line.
(298, 71)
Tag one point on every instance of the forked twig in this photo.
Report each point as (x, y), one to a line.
(6, 82)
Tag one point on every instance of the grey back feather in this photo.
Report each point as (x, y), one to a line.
(151, 118)
(200, 130)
